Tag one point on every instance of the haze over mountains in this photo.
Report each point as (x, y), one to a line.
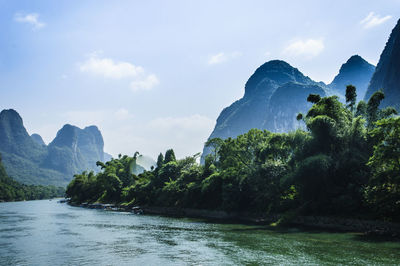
(29, 160)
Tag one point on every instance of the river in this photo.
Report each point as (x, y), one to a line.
(49, 233)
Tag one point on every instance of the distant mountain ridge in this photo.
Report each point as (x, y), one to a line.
(251, 110)
(29, 160)
(14, 138)
(79, 148)
(357, 72)
(38, 139)
(277, 92)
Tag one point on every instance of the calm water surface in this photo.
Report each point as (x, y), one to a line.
(49, 233)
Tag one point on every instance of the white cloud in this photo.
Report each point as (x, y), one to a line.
(32, 18)
(308, 48)
(145, 84)
(373, 20)
(108, 68)
(190, 123)
(222, 57)
(122, 114)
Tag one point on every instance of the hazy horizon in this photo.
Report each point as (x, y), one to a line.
(153, 75)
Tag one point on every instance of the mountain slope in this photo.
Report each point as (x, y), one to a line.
(256, 109)
(251, 111)
(15, 139)
(74, 150)
(22, 155)
(387, 73)
(277, 92)
(11, 190)
(38, 139)
(286, 102)
(357, 72)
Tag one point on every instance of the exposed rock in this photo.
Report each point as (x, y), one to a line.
(286, 102)
(74, 150)
(387, 73)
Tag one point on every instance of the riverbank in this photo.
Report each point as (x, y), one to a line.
(21, 200)
(371, 227)
(368, 227)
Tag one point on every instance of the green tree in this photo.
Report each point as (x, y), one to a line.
(313, 98)
(299, 116)
(170, 156)
(160, 160)
(215, 144)
(351, 97)
(361, 109)
(383, 190)
(373, 108)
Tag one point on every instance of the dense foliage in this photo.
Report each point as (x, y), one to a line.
(346, 163)
(11, 190)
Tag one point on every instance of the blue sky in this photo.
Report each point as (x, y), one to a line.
(156, 74)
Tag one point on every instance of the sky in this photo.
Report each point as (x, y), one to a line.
(154, 75)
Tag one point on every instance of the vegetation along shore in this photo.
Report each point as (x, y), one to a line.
(345, 164)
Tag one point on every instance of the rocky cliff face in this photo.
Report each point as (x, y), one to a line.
(74, 150)
(387, 73)
(357, 72)
(27, 159)
(21, 154)
(15, 139)
(251, 111)
(287, 101)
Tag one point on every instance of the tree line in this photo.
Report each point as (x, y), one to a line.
(346, 163)
(11, 190)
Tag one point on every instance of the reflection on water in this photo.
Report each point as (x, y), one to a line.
(49, 233)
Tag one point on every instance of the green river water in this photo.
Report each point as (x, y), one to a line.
(50, 233)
